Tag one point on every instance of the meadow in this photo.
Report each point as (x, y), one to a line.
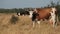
(24, 26)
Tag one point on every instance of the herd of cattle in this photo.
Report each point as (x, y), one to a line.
(23, 13)
(41, 13)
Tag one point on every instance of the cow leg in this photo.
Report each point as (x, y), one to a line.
(23, 15)
(56, 19)
(54, 22)
(51, 21)
(38, 22)
(33, 24)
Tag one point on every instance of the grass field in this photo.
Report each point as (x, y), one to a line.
(24, 26)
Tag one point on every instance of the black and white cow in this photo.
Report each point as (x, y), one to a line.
(23, 13)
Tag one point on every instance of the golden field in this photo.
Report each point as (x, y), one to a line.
(24, 26)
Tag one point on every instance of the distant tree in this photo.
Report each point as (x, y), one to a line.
(52, 4)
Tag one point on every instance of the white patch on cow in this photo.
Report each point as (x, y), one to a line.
(53, 16)
(18, 13)
(31, 12)
(54, 9)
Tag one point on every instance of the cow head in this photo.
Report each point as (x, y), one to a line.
(54, 10)
(30, 12)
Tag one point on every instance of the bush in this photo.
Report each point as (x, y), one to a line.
(13, 19)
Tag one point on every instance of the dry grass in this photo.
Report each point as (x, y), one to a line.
(24, 26)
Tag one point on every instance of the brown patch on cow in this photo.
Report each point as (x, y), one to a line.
(43, 12)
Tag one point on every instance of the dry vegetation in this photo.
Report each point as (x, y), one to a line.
(24, 26)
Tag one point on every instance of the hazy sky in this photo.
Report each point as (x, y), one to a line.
(24, 3)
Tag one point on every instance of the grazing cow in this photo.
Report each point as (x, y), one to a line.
(23, 13)
(42, 13)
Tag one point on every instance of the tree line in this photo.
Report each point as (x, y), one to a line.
(14, 10)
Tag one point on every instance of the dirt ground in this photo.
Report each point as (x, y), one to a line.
(24, 26)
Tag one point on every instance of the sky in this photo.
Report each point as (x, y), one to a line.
(24, 3)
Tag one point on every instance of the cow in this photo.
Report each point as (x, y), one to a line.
(23, 13)
(53, 16)
(26, 13)
(42, 13)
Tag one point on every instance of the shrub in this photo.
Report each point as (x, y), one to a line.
(13, 19)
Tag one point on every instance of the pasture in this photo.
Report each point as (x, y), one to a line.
(24, 26)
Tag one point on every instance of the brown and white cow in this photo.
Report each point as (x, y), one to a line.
(53, 16)
(43, 13)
